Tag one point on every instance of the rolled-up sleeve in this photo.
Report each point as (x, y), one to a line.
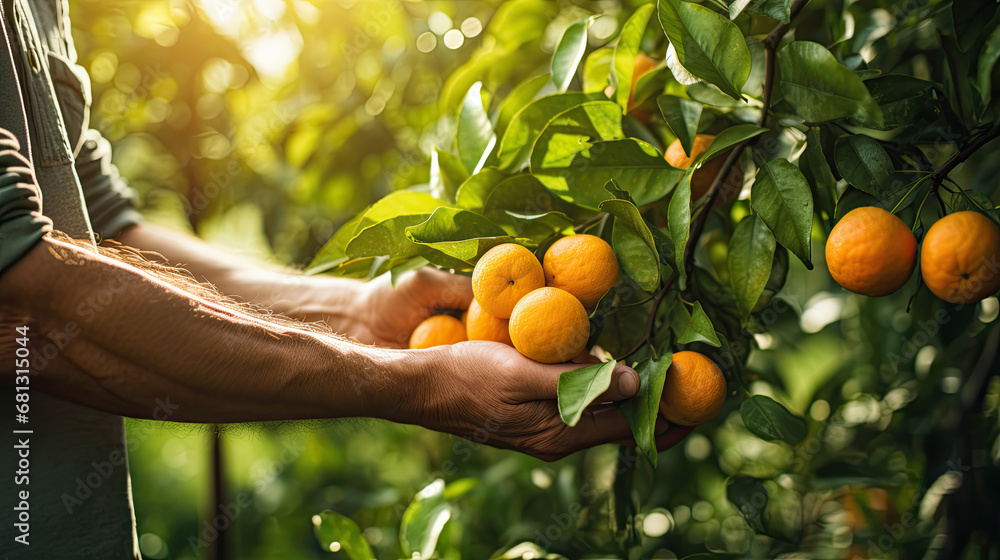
(110, 201)
(22, 224)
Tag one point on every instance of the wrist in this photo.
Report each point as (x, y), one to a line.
(406, 387)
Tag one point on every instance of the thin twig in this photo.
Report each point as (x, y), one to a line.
(941, 173)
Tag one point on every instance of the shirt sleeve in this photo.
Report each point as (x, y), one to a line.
(110, 201)
(22, 224)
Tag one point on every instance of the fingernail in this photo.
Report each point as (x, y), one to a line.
(628, 383)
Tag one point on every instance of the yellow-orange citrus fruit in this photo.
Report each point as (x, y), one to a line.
(504, 275)
(960, 257)
(549, 325)
(702, 179)
(643, 64)
(437, 330)
(693, 391)
(871, 252)
(583, 265)
(483, 326)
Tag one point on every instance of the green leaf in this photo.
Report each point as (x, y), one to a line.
(729, 138)
(496, 194)
(863, 162)
(386, 239)
(642, 410)
(987, 60)
(566, 134)
(682, 116)
(626, 51)
(751, 249)
(816, 170)
(424, 520)
(334, 251)
(569, 53)
(617, 192)
(750, 497)
(971, 18)
(708, 45)
(475, 138)
(781, 197)
(580, 387)
(515, 147)
(637, 166)
(770, 421)
(699, 329)
(447, 174)
(901, 99)
(637, 259)
(780, 10)
(338, 533)
(461, 234)
(737, 7)
(820, 88)
(679, 225)
(597, 70)
(518, 99)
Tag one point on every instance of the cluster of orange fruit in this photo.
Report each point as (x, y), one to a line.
(540, 308)
(872, 252)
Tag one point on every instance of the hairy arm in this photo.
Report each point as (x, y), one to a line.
(371, 312)
(131, 340)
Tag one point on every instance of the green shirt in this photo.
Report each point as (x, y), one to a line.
(56, 173)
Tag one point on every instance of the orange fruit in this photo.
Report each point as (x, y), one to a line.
(702, 179)
(437, 330)
(643, 64)
(693, 390)
(960, 258)
(483, 326)
(871, 252)
(504, 275)
(583, 265)
(549, 325)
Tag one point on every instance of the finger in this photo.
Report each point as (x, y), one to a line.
(586, 357)
(449, 291)
(544, 385)
(673, 436)
(659, 428)
(598, 426)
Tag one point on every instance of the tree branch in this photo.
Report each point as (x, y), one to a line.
(963, 154)
(771, 43)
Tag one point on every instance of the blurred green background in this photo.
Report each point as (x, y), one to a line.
(263, 125)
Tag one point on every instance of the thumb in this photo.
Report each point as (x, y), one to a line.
(624, 384)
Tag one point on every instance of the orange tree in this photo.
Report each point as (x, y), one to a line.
(819, 108)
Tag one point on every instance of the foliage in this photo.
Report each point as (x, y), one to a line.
(827, 105)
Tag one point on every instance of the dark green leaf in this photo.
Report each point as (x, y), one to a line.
(987, 60)
(338, 533)
(475, 138)
(637, 259)
(820, 88)
(781, 197)
(971, 18)
(617, 192)
(864, 163)
(780, 10)
(708, 45)
(580, 387)
(643, 409)
(626, 51)
(569, 53)
(816, 169)
(682, 116)
(699, 329)
(901, 99)
(424, 520)
(767, 419)
(751, 249)
(679, 225)
(750, 497)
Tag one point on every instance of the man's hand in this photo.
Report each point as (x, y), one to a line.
(491, 393)
(386, 315)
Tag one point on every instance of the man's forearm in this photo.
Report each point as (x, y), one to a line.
(321, 298)
(142, 338)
